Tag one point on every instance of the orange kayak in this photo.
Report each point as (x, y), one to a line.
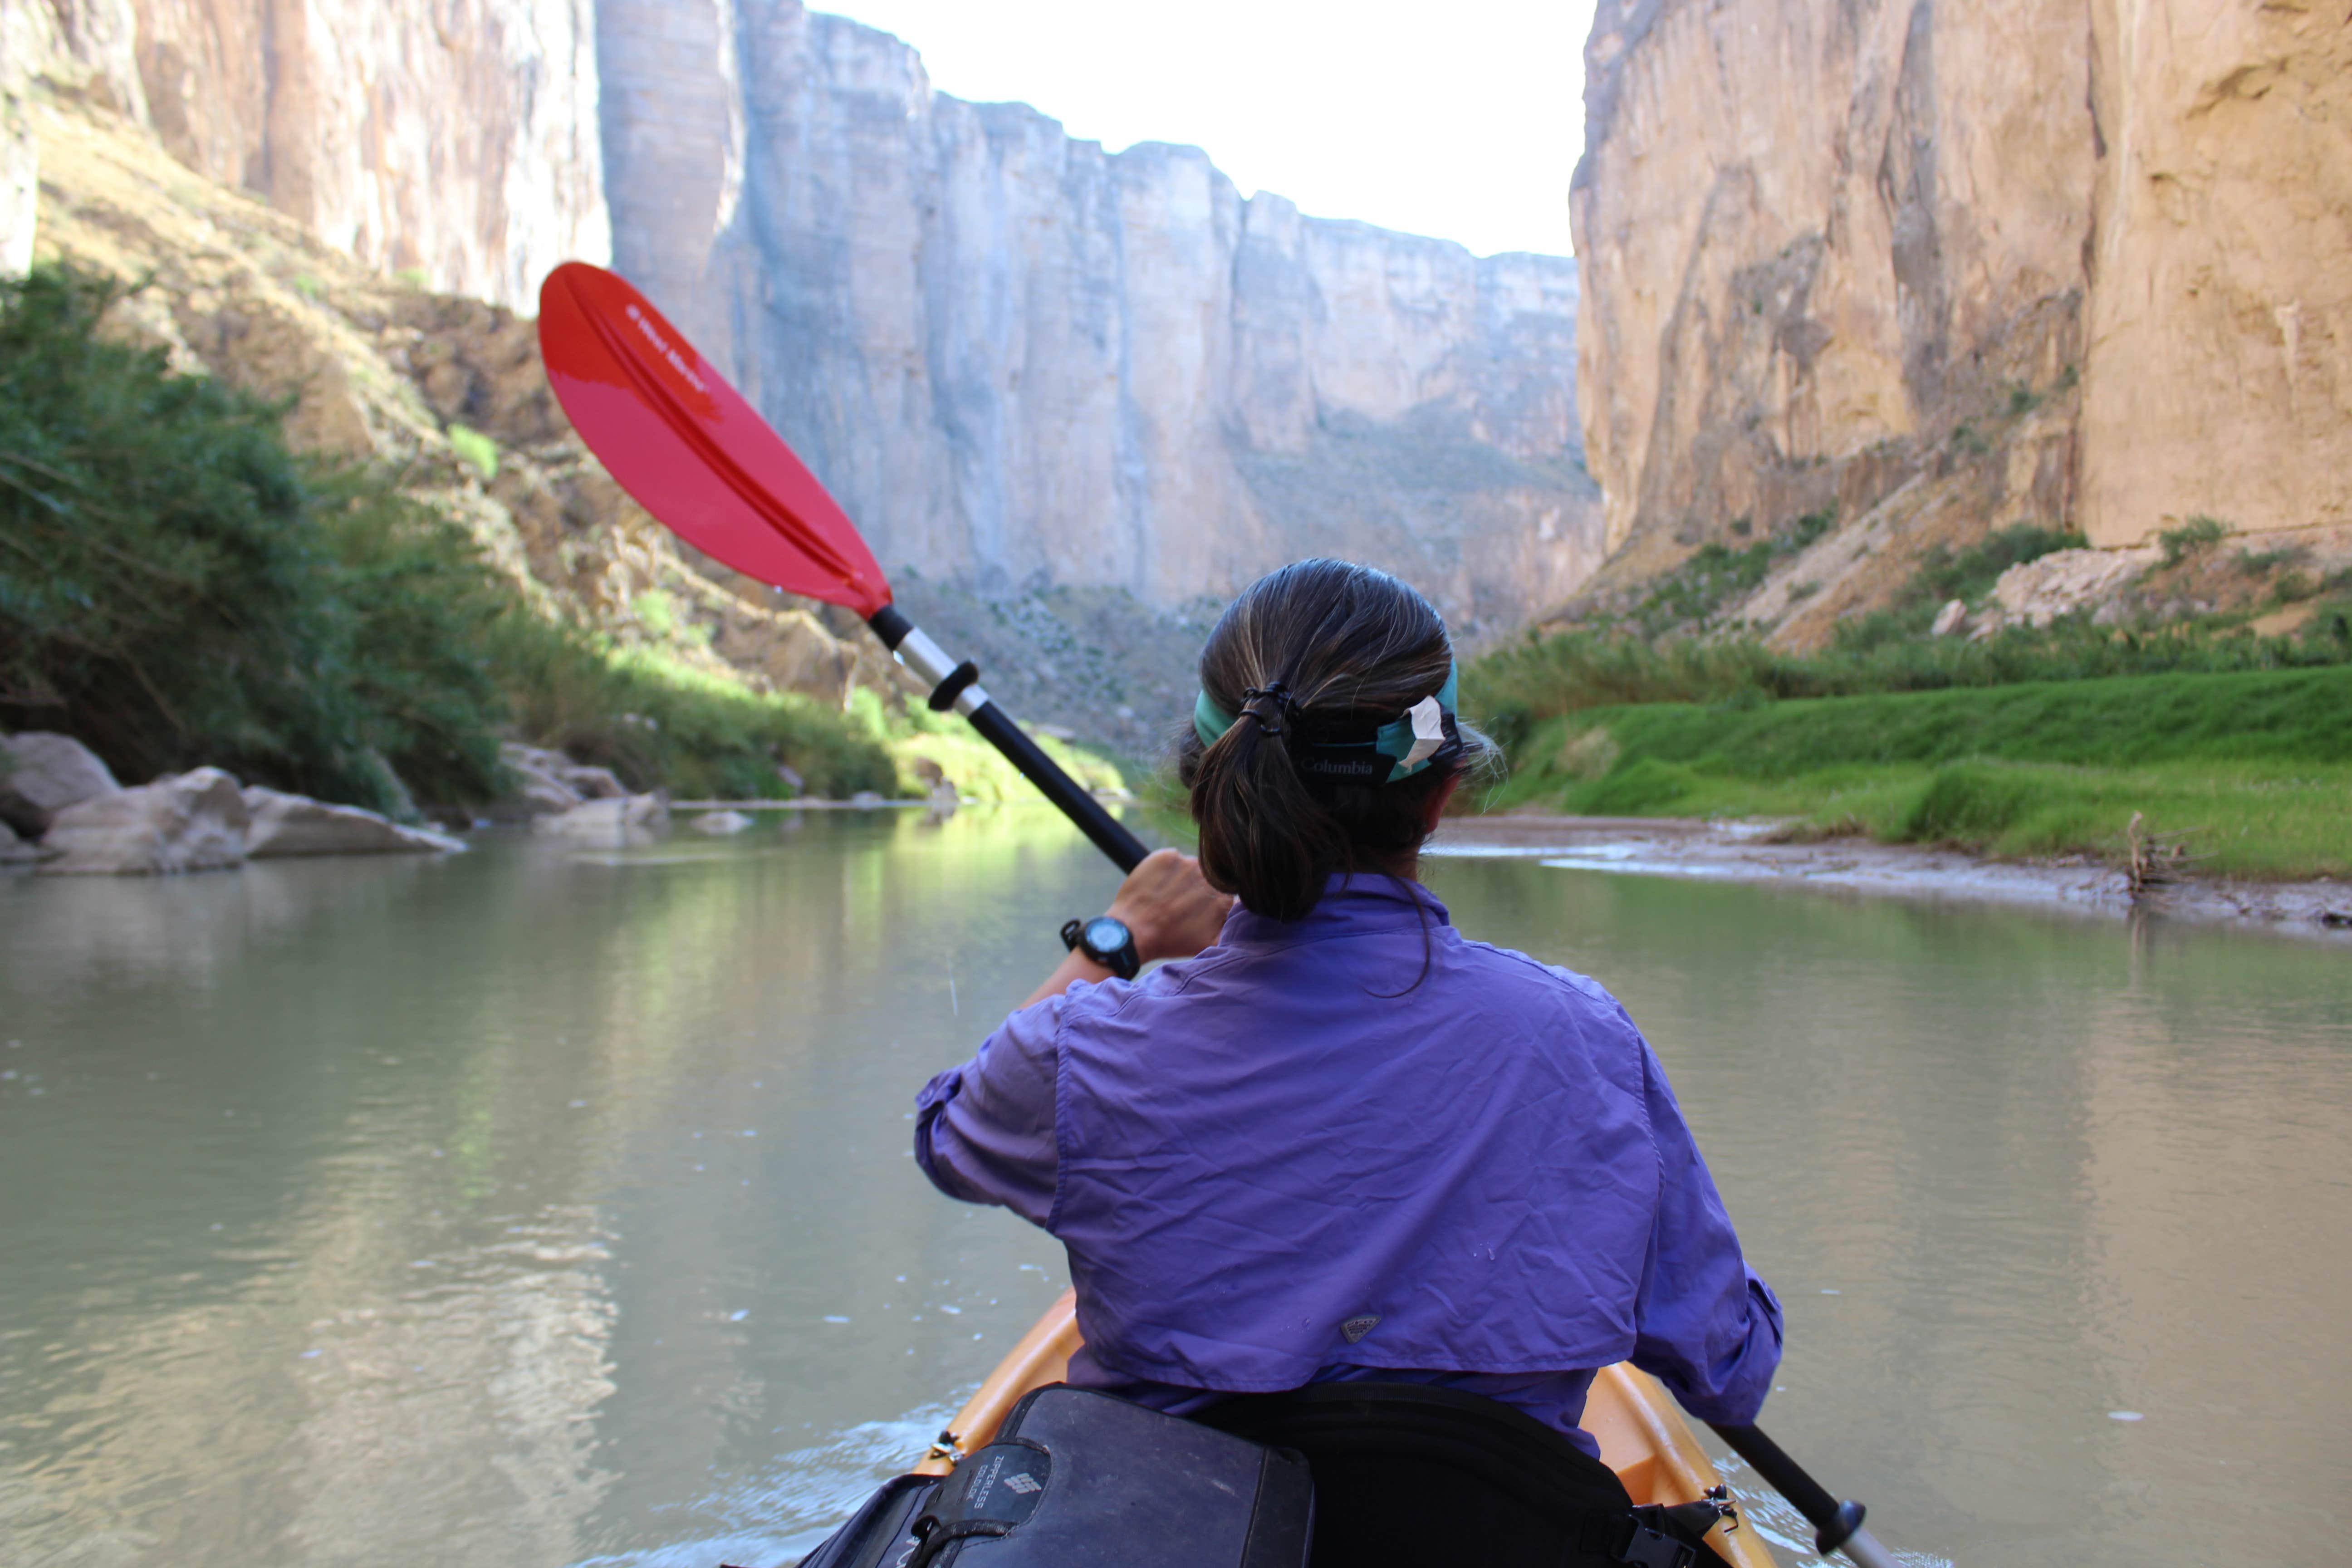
(1643, 1436)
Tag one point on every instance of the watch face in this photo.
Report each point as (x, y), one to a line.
(1104, 934)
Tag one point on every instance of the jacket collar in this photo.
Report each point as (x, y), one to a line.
(1357, 904)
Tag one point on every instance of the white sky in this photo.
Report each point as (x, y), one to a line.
(1462, 120)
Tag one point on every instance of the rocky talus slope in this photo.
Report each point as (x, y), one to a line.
(1948, 267)
(385, 372)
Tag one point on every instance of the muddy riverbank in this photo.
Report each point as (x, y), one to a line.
(1752, 852)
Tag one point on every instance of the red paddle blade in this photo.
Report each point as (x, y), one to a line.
(698, 456)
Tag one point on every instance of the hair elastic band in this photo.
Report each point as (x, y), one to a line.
(1426, 733)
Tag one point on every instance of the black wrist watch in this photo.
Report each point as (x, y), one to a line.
(1106, 940)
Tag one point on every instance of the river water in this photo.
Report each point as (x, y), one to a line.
(537, 1206)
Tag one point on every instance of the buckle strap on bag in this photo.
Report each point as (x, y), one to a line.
(1659, 1537)
(993, 1492)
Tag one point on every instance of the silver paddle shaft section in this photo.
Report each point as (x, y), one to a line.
(1864, 1550)
(930, 661)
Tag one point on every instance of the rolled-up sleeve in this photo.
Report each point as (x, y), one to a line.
(1704, 1324)
(984, 1130)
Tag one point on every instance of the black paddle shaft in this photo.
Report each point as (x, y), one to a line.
(1839, 1523)
(957, 685)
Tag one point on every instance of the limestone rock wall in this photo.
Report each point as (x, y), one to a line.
(2219, 372)
(1012, 354)
(2075, 262)
(20, 155)
(84, 47)
(1017, 358)
(454, 139)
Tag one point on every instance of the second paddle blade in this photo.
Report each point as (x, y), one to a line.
(695, 455)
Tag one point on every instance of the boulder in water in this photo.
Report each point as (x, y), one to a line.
(620, 821)
(286, 824)
(552, 782)
(719, 824)
(42, 773)
(185, 822)
(13, 848)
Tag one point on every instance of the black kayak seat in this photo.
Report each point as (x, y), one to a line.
(1410, 1476)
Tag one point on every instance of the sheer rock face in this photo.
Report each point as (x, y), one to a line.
(2220, 376)
(85, 46)
(1011, 354)
(2073, 262)
(457, 138)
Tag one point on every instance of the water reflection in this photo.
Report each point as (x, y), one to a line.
(538, 1206)
(2011, 1173)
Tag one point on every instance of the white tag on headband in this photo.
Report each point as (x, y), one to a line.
(1428, 730)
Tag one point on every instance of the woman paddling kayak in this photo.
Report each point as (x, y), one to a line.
(1333, 1141)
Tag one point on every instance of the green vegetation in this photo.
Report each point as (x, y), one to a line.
(475, 449)
(177, 588)
(2256, 766)
(2032, 740)
(2199, 534)
(1691, 595)
(919, 737)
(1517, 687)
(660, 723)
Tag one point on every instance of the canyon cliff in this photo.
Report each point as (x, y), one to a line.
(1017, 359)
(1942, 269)
(1016, 356)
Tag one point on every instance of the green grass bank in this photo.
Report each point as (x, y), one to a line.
(2254, 766)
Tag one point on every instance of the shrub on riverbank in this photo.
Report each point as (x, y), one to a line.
(178, 588)
(2257, 764)
(1518, 687)
(1665, 648)
(661, 724)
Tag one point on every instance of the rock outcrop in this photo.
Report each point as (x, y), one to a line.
(202, 821)
(1948, 267)
(458, 139)
(1012, 354)
(552, 782)
(185, 822)
(618, 822)
(41, 775)
(286, 825)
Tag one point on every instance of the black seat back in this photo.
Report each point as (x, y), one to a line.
(1412, 1476)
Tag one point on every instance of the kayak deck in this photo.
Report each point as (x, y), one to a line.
(1643, 1437)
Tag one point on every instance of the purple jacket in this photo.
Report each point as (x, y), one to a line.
(1285, 1161)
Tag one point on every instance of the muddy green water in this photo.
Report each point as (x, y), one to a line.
(536, 1207)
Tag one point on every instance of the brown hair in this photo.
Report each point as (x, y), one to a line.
(1353, 648)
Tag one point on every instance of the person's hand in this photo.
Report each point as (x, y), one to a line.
(1170, 907)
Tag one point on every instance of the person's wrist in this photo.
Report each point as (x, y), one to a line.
(1147, 940)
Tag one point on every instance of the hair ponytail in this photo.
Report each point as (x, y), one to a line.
(1316, 649)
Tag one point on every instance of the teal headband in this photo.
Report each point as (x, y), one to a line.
(1411, 743)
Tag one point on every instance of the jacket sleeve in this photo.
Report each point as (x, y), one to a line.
(1704, 1324)
(984, 1130)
